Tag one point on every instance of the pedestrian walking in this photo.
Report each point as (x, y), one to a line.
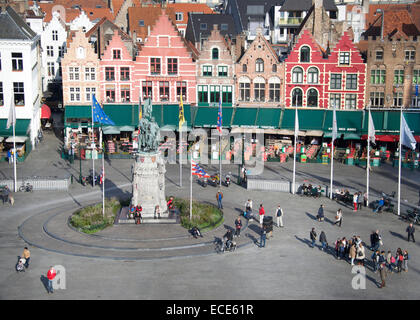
(320, 215)
(390, 260)
(375, 260)
(238, 226)
(360, 256)
(376, 240)
(355, 196)
(405, 261)
(382, 274)
(248, 209)
(50, 276)
(359, 201)
(352, 253)
(323, 240)
(11, 199)
(410, 232)
(400, 258)
(312, 235)
(262, 213)
(338, 217)
(219, 197)
(157, 212)
(263, 237)
(27, 256)
(365, 199)
(279, 215)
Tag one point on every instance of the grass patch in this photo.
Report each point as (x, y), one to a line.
(90, 219)
(204, 216)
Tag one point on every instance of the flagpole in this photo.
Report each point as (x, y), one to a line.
(93, 150)
(368, 162)
(103, 177)
(180, 157)
(191, 181)
(399, 165)
(294, 156)
(14, 149)
(220, 159)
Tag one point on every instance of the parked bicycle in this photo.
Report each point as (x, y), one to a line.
(26, 187)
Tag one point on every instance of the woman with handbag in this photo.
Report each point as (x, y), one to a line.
(361, 255)
(339, 217)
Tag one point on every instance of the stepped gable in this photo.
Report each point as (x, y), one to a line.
(306, 39)
(116, 42)
(346, 44)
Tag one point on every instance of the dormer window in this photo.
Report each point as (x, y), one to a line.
(305, 54)
(179, 16)
(116, 54)
(344, 58)
(203, 26)
(215, 53)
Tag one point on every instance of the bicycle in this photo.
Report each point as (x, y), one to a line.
(26, 187)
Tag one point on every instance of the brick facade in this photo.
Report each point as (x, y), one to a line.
(215, 71)
(259, 76)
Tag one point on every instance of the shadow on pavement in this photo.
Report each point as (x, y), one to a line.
(44, 281)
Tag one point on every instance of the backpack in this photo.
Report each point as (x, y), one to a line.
(392, 259)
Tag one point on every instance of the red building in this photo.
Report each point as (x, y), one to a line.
(165, 66)
(116, 69)
(316, 79)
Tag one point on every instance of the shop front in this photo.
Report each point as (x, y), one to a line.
(22, 140)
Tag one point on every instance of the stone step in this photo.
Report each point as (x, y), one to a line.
(148, 220)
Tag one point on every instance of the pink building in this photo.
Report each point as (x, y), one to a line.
(116, 70)
(165, 66)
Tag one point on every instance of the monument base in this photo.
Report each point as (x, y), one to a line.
(149, 184)
(123, 218)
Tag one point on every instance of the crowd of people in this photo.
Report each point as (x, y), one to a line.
(354, 251)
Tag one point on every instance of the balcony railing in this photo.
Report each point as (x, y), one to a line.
(290, 21)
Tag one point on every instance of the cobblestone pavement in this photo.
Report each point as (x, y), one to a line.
(287, 268)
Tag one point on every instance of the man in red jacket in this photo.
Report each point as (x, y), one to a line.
(51, 275)
(262, 213)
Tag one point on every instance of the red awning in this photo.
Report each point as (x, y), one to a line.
(384, 138)
(45, 112)
(417, 138)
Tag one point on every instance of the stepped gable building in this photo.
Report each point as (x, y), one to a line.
(115, 73)
(165, 67)
(215, 71)
(393, 62)
(315, 79)
(259, 75)
(80, 71)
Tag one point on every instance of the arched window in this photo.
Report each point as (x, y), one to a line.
(312, 98)
(312, 75)
(297, 97)
(215, 53)
(259, 89)
(244, 68)
(259, 65)
(305, 54)
(297, 75)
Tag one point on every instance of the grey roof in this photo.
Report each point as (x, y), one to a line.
(305, 5)
(13, 27)
(195, 20)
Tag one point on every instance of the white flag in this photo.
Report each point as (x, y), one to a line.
(371, 131)
(296, 124)
(334, 125)
(11, 120)
(407, 138)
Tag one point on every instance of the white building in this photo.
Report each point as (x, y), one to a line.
(20, 75)
(81, 22)
(53, 41)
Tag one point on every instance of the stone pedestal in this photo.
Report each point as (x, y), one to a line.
(149, 184)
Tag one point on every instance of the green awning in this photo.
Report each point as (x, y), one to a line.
(207, 117)
(413, 121)
(308, 119)
(347, 121)
(126, 128)
(171, 115)
(268, 118)
(123, 114)
(245, 117)
(351, 136)
(77, 112)
(21, 128)
(111, 130)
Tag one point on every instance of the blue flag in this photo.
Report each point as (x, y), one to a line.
(99, 114)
